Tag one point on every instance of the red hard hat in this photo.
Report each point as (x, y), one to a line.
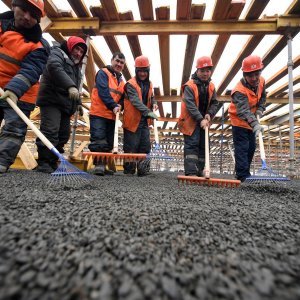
(141, 62)
(252, 63)
(39, 4)
(204, 62)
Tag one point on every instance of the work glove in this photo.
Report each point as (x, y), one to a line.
(257, 129)
(11, 95)
(152, 115)
(117, 109)
(80, 110)
(74, 93)
(259, 113)
(207, 117)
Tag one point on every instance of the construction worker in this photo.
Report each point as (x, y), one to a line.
(59, 97)
(248, 101)
(23, 56)
(105, 105)
(137, 115)
(198, 107)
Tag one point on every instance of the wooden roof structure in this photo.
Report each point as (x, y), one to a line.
(105, 20)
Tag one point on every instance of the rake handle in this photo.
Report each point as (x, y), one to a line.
(155, 132)
(116, 134)
(38, 133)
(207, 164)
(261, 144)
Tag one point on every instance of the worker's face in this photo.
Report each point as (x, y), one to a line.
(253, 78)
(23, 18)
(117, 64)
(204, 74)
(77, 53)
(142, 74)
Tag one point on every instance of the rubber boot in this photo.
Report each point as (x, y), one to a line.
(47, 161)
(143, 167)
(190, 166)
(99, 169)
(129, 168)
(200, 167)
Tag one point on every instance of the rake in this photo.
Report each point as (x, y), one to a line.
(206, 180)
(114, 158)
(265, 174)
(66, 175)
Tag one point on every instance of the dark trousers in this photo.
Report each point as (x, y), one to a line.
(13, 132)
(55, 125)
(102, 134)
(136, 142)
(194, 152)
(244, 148)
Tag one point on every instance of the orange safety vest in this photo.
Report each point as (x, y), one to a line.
(98, 108)
(132, 116)
(12, 51)
(186, 123)
(253, 100)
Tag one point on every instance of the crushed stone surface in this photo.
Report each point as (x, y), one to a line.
(129, 237)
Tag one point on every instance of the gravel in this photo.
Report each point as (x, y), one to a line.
(129, 237)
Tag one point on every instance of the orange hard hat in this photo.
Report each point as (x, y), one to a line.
(142, 62)
(204, 62)
(39, 4)
(252, 63)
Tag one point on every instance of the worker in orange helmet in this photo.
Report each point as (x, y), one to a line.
(248, 102)
(198, 107)
(138, 115)
(23, 54)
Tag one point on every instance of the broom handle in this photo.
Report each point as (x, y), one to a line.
(38, 133)
(116, 134)
(207, 166)
(155, 132)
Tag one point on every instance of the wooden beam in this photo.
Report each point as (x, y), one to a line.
(79, 8)
(27, 157)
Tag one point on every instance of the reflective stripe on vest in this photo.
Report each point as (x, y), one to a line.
(11, 60)
(186, 124)
(253, 100)
(132, 116)
(98, 108)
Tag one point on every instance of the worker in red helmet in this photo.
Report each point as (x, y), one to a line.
(59, 98)
(105, 104)
(23, 56)
(198, 107)
(248, 101)
(138, 115)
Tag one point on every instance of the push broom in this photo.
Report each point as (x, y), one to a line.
(206, 180)
(265, 175)
(66, 174)
(114, 157)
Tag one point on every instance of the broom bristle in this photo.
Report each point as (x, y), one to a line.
(67, 175)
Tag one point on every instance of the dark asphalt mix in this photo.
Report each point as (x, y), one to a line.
(129, 237)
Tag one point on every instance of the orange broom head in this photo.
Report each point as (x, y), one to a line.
(216, 182)
(104, 157)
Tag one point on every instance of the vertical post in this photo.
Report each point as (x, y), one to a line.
(291, 107)
(83, 68)
(222, 135)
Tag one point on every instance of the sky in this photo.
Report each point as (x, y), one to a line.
(150, 48)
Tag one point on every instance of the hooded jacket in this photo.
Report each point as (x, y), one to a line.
(60, 74)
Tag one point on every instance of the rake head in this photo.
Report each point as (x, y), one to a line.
(215, 182)
(67, 175)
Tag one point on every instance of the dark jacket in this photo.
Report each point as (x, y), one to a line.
(59, 75)
(32, 65)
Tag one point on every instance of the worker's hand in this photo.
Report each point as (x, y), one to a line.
(259, 113)
(152, 115)
(204, 123)
(10, 95)
(74, 93)
(117, 109)
(155, 107)
(257, 129)
(207, 117)
(80, 110)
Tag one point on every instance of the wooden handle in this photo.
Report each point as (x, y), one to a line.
(38, 133)
(116, 134)
(207, 165)
(261, 144)
(155, 132)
